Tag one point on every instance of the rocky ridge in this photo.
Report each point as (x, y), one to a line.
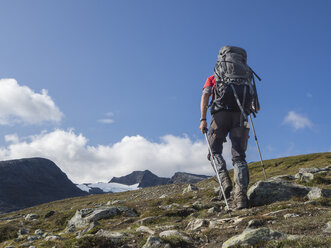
(28, 182)
(182, 216)
(144, 178)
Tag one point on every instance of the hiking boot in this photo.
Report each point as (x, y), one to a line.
(240, 198)
(227, 187)
(226, 184)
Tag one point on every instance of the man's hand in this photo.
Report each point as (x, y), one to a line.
(203, 127)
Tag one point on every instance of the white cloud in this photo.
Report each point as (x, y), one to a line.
(297, 121)
(20, 104)
(83, 163)
(109, 114)
(106, 121)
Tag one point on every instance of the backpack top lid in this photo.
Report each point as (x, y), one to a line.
(232, 50)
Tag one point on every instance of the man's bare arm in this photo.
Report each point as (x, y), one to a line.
(203, 108)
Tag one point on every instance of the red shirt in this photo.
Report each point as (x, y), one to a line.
(210, 82)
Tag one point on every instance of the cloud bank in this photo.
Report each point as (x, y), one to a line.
(20, 104)
(83, 163)
(297, 121)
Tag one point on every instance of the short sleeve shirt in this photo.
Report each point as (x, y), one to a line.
(208, 87)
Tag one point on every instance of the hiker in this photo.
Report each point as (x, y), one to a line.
(234, 97)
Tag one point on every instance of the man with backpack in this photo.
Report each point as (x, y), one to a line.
(234, 98)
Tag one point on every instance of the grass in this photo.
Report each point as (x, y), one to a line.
(312, 216)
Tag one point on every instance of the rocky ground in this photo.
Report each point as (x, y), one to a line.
(290, 209)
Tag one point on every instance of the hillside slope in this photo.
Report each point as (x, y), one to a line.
(32, 181)
(181, 215)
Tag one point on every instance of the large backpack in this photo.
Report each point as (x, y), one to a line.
(235, 88)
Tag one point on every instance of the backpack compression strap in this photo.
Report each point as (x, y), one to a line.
(238, 102)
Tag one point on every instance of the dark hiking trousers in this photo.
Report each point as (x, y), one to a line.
(222, 124)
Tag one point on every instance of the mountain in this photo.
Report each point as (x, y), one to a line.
(142, 178)
(138, 179)
(289, 209)
(31, 181)
(183, 177)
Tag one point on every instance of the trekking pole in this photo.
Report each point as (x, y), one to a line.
(258, 147)
(215, 169)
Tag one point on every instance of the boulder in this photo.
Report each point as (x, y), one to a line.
(197, 224)
(174, 234)
(251, 237)
(316, 193)
(114, 236)
(272, 190)
(53, 238)
(31, 216)
(190, 188)
(145, 229)
(153, 242)
(84, 217)
(308, 174)
(39, 232)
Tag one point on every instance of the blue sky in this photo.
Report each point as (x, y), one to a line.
(124, 79)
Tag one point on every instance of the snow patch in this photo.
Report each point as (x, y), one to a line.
(108, 187)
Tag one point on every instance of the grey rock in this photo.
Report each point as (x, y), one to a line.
(308, 174)
(153, 242)
(266, 192)
(175, 234)
(190, 188)
(90, 227)
(32, 238)
(84, 217)
(145, 229)
(197, 224)
(327, 229)
(31, 216)
(251, 237)
(53, 238)
(114, 236)
(39, 232)
(32, 246)
(70, 229)
(288, 216)
(316, 193)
